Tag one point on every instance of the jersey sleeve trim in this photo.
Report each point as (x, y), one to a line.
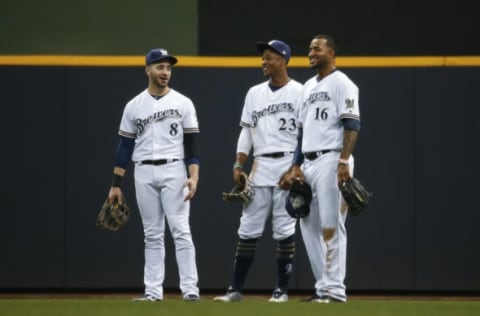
(191, 130)
(350, 116)
(126, 134)
(243, 124)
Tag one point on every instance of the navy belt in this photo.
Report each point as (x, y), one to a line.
(277, 154)
(315, 154)
(157, 162)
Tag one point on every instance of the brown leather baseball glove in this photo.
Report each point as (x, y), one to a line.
(113, 216)
(241, 192)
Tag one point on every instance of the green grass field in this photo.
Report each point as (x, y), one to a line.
(248, 307)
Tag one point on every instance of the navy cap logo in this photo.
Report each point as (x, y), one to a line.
(159, 54)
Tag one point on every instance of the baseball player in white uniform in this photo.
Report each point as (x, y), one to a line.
(330, 122)
(159, 133)
(269, 124)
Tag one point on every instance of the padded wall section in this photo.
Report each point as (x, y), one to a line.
(447, 217)
(414, 152)
(32, 244)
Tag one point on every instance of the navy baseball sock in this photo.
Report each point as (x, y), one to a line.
(285, 253)
(243, 260)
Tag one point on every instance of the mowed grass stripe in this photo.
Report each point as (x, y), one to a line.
(253, 306)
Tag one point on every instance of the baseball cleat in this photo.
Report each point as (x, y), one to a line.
(191, 297)
(279, 296)
(322, 299)
(336, 300)
(232, 296)
(146, 298)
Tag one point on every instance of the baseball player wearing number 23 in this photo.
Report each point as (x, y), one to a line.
(330, 123)
(269, 124)
(159, 133)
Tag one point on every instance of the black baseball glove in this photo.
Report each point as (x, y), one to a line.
(113, 216)
(355, 195)
(242, 192)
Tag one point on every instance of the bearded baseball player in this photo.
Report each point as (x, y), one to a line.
(269, 124)
(330, 123)
(159, 133)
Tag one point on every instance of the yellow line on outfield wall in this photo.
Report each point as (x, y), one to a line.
(237, 61)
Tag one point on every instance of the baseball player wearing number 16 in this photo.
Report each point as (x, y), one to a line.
(159, 132)
(269, 124)
(330, 122)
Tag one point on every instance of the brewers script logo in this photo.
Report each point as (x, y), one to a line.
(318, 96)
(141, 124)
(271, 109)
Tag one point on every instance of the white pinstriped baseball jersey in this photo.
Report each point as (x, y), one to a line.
(158, 125)
(324, 104)
(272, 117)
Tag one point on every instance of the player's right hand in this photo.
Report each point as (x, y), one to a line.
(236, 176)
(115, 193)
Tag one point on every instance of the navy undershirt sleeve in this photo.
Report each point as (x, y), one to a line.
(192, 148)
(124, 152)
(298, 156)
(351, 124)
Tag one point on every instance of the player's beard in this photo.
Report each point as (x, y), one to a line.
(320, 64)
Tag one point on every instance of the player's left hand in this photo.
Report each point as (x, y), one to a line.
(292, 174)
(285, 181)
(191, 184)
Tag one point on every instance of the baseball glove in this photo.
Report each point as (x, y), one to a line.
(113, 216)
(355, 195)
(242, 192)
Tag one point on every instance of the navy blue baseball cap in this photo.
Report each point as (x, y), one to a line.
(159, 54)
(278, 46)
(298, 200)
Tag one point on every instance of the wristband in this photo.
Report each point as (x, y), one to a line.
(237, 165)
(116, 180)
(343, 161)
